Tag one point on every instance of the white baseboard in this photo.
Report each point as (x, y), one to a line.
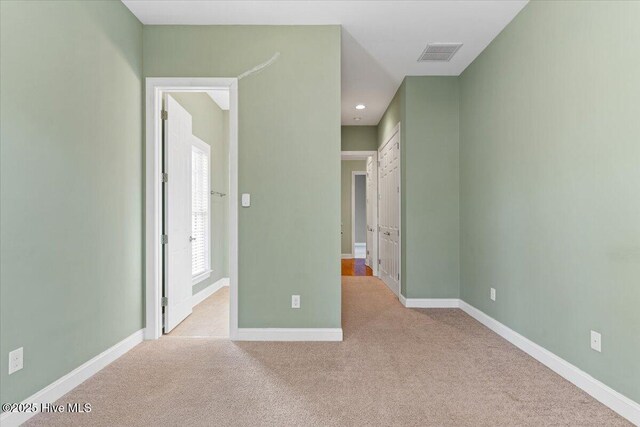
(289, 334)
(344, 256)
(601, 392)
(209, 290)
(62, 386)
(429, 302)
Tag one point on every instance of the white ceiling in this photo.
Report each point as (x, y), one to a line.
(381, 40)
(220, 97)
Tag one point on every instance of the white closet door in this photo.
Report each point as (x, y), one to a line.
(371, 211)
(177, 214)
(389, 213)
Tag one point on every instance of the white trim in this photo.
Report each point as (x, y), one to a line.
(429, 302)
(599, 391)
(353, 207)
(64, 385)
(347, 256)
(208, 291)
(289, 334)
(153, 213)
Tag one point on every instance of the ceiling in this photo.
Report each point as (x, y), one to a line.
(381, 40)
(220, 97)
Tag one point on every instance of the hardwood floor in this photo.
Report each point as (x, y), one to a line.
(355, 267)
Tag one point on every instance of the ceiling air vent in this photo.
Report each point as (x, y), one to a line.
(439, 52)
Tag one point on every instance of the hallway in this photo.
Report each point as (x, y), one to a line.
(396, 366)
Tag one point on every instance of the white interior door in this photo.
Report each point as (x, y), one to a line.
(389, 213)
(372, 180)
(177, 214)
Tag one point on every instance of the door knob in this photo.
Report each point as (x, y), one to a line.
(191, 239)
(386, 233)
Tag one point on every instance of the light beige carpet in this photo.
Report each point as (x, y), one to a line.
(396, 366)
(210, 318)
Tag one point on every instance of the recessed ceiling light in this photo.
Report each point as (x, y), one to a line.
(360, 107)
(357, 119)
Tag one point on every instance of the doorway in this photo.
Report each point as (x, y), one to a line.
(191, 208)
(359, 213)
(195, 158)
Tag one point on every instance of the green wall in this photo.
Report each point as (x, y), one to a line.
(348, 166)
(71, 188)
(288, 159)
(359, 138)
(210, 124)
(430, 188)
(394, 114)
(427, 108)
(550, 183)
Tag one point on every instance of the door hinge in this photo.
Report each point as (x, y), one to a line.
(164, 115)
(398, 276)
(397, 145)
(164, 239)
(165, 301)
(379, 261)
(165, 177)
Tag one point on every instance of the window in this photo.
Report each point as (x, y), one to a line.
(200, 212)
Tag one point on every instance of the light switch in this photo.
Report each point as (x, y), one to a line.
(246, 200)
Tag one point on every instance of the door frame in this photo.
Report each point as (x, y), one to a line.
(155, 86)
(363, 155)
(394, 131)
(353, 207)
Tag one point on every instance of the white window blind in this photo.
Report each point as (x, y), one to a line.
(200, 215)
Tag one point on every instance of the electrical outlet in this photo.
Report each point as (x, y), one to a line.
(492, 295)
(15, 360)
(596, 341)
(295, 301)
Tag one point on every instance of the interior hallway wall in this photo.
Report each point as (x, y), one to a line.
(430, 188)
(360, 208)
(71, 186)
(427, 109)
(210, 124)
(348, 167)
(359, 138)
(288, 159)
(550, 183)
